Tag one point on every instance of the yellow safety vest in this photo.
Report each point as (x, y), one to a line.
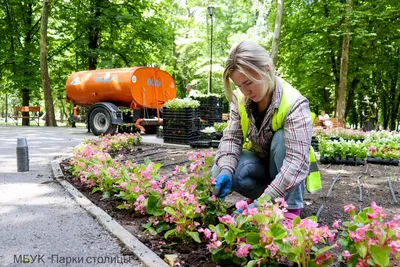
(289, 96)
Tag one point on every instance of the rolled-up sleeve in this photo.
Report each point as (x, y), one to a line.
(231, 142)
(297, 136)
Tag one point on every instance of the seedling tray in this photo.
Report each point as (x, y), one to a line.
(381, 161)
(349, 161)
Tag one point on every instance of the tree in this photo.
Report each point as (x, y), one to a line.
(277, 31)
(48, 97)
(341, 98)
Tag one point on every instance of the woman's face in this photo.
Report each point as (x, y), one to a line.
(253, 90)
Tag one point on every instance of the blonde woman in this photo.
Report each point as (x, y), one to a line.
(278, 162)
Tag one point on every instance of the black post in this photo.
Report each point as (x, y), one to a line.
(211, 13)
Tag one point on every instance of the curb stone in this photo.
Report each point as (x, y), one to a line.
(145, 255)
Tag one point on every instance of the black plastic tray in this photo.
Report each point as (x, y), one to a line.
(381, 161)
(350, 161)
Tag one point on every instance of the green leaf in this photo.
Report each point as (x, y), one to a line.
(106, 195)
(220, 230)
(296, 221)
(122, 207)
(188, 211)
(170, 210)
(313, 218)
(147, 161)
(162, 227)
(362, 249)
(230, 237)
(153, 206)
(251, 263)
(157, 166)
(277, 231)
(323, 250)
(253, 238)
(95, 189)
(195, 236)
(170, 232)
(380, 255)
(146, 225)
(152, 231)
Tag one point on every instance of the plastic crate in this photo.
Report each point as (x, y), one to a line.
(185, 113)
(183, 123)
(185, 140)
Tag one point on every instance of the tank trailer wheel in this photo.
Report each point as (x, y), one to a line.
(100, 122)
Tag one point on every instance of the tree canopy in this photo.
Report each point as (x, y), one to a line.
(175, 36)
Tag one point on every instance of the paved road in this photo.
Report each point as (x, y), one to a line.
(38, 217)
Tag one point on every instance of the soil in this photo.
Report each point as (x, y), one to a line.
(327, 204)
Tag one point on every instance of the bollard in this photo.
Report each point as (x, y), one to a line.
(22, 155)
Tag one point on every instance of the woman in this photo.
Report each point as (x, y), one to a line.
(277, 124)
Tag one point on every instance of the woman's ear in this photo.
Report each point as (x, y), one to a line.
(268, 68)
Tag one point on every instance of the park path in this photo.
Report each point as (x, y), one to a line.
(39, 221)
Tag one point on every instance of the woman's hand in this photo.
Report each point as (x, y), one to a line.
(222, 186)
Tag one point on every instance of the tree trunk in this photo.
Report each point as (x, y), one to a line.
(10, 26)
(94, 31)
(333, 61)
(394, 105)
(350, 96)
(25, 102)
(48, 98)
(277, 31)
(27, 39)
(341, 99)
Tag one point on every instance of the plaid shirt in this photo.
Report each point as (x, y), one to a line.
(297, 135)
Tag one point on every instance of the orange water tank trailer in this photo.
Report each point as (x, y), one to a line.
(135, 87)
(104, 92)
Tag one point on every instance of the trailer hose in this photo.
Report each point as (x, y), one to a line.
(360, 188)
(319, 212)
(333, 184)
(392, 191)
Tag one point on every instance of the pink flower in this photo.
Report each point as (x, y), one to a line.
(242, 205)
(315, 237)
(153, 184)
(176, 170)
(394, 246)
(346, 255)
(243, 251)
(228, 219)
(376, 211)
(214, 245)
(361, 263)
(282, 202)
(336, 224)
(207, 233)
(323, 258)
(349, 208)
(273, 248)
(136, 189)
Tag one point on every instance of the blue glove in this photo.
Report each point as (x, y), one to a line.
(223, 185)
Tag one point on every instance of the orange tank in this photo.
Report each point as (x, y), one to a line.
(135, 87)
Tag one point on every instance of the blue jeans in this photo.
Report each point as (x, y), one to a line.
(252, 175)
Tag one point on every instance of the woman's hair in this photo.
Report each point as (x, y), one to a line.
(245, 57)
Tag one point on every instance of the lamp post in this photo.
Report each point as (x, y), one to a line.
(211, 13)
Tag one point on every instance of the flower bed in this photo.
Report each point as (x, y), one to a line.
(379, 147)
(185, 209)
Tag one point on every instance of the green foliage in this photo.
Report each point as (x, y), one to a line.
(369, 238)
(220, 126)
(175, 36)
(178, 103)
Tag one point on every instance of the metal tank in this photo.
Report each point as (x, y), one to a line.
(104, 92)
